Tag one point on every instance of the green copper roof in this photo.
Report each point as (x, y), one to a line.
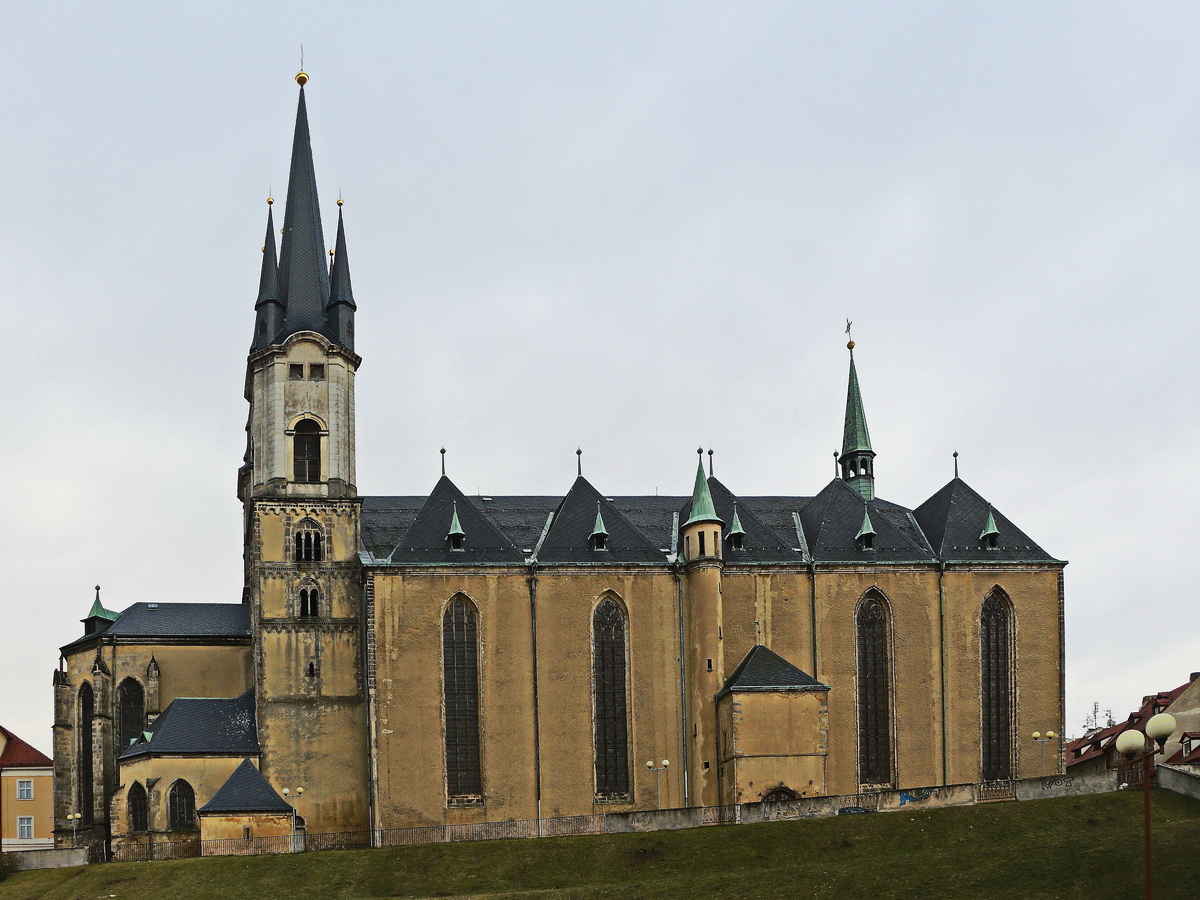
(455, 526)
(702, 502)
(736, 527)
(598, 528)
(866, 527)
(855, 437)
(989, 527)
(98, 611)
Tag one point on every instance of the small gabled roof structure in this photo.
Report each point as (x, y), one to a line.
(198, 726)
(574, 522)
(245, 791)
(446, 507)
(760, 542)
(18, 754)
(952, 519)
(763, 670)
(833, 519)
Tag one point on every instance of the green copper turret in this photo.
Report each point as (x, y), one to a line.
(857, 460)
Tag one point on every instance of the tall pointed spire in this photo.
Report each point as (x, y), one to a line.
(303, 271)
(702, 502)
(341, 294)
(857, 459)
(269, 306)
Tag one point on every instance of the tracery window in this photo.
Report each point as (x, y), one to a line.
(87, 709)
(460, 670)
(181, 806)
(137, 807)
(995, 636)
(310, 543)
(306, 450)
(131, 713)
(611, 727)
(874, 694)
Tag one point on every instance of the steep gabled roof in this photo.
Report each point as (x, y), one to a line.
(568, 539)
(246, 791)
(201, 725)
(18, 754)
(177, 620)
(955, 520)
(760, 543)
(833, 518)
(425, 540)
(763, 670)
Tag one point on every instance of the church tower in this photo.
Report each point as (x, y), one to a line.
(302, 511)
(858, 459)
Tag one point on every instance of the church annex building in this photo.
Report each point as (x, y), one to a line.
(449, 659)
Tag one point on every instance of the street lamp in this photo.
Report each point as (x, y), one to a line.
(1129, 744)
(74, 818)
(656, 770)
(1037, 736)
(286, 795)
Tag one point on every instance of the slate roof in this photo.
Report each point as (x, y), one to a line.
(170, 620)
(506, 530)
(201, 725)
(954, 519)
(245, 791)
(18, 754)
(764, 671)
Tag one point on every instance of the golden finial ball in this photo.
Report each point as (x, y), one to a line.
(270, 200)
(341, 202)
(849, 345)
(302, 78)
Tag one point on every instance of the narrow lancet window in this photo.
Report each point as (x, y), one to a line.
(87, 709)
(137, 807)
(874, 694)
(307, 451)
(131, 713)
(460, 666)
(995, 633)
(611, 730)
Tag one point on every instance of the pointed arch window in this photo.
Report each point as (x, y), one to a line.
(137, 807)
(310, 602)
(306, 447)
(995, 635)
(83, 771)
(460, 670)
(181, 806)
(609, 676)
(874, 694)
(131, 713)
(310, 542)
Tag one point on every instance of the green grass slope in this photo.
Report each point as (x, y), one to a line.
(1087, 847)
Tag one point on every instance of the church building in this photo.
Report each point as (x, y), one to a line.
(444, 658)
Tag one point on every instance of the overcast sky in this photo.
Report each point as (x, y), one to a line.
(628, 227)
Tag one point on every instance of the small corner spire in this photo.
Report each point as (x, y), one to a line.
(268, 307)
(341, 294)
(579, 462)
(598, 525)
(710, 462)
(443, 462)
(990, 532)
(736, 527)
(866, 531)
(955, 463)
(455, 535)
(702, 502)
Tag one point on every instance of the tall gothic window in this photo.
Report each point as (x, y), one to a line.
(307, 451)
(995, 636)
(611, 728)
(874, 694)
(137, 807)
(131, 713)
(181, 805)
(87, 709)
(460, 666)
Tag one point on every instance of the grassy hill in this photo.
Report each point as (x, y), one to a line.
(1087, 847)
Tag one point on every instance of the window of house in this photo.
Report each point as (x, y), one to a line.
(296, 372)
(460, 683)
(874, 694)
(701, 543)
(309, 603)
(599, 541)
(735, 541)
(24, 789)
(456, 542)
(131, 713)
(306, 450)
(609, 676)
(310, 543)
(316, 372)
(87, 710)
(181, 807)
(24, 828)
(137, 807)
(995, 654)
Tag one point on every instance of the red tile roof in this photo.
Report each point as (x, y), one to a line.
(1093, 745)
(18, 754)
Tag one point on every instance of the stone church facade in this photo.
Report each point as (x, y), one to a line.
(446, 658)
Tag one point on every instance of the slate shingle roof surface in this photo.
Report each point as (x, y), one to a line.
(151, 620)
(18, 754)
(505, 530)
(246, 791)
(199, 725)
(763, 670)
(953, 520)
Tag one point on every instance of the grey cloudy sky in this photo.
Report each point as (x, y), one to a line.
(630, 227)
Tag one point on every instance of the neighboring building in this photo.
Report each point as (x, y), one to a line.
(26, 795)
(1097, 749)
(434, 659)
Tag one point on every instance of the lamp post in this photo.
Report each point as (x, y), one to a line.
(656, 770)
(287, 796)
(74, 818)
(1037, 736)
(1129, 744)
